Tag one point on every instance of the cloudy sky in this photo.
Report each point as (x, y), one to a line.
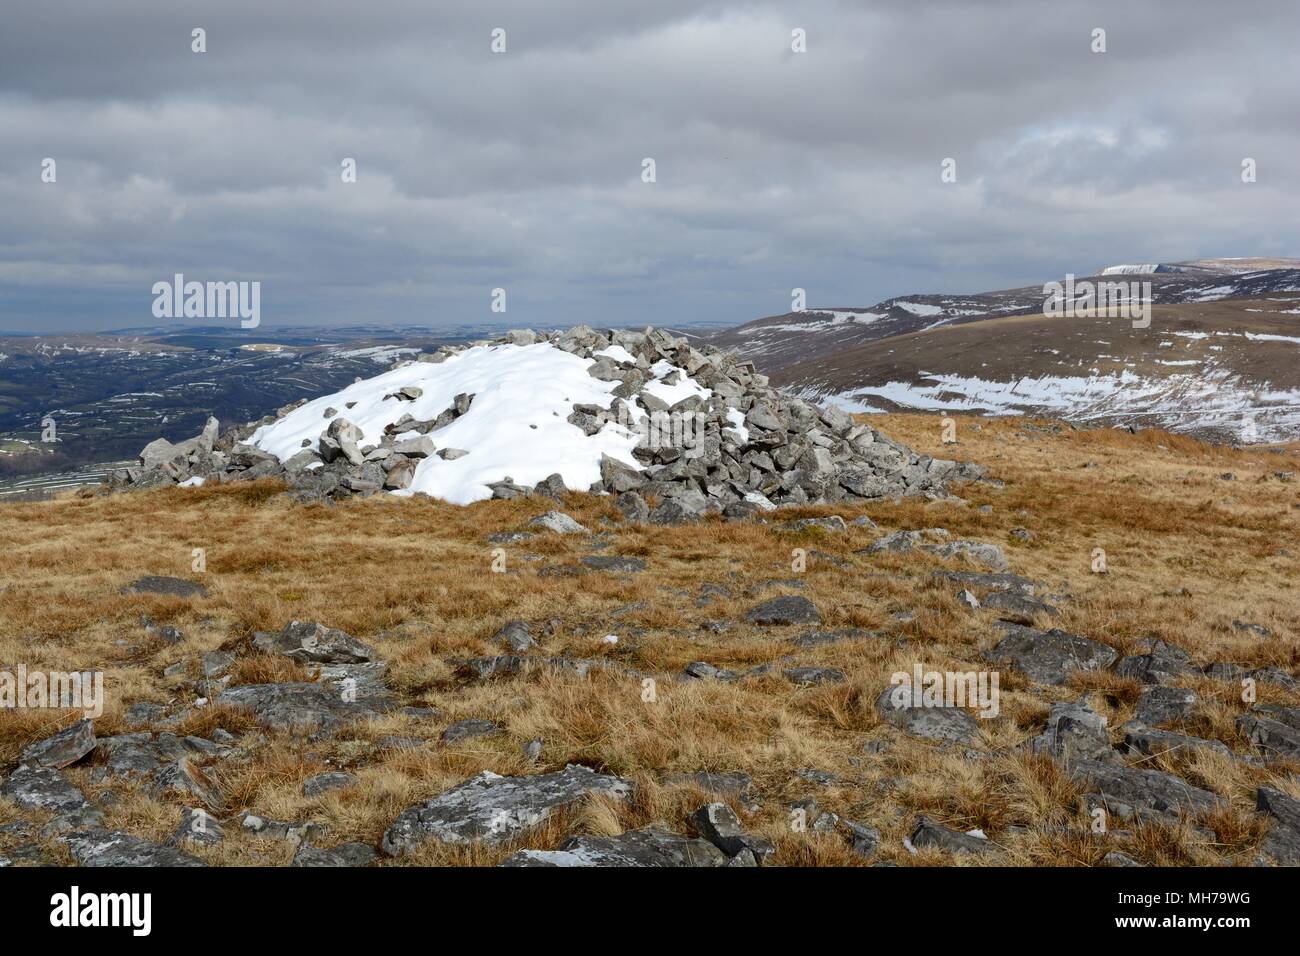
(523, 169)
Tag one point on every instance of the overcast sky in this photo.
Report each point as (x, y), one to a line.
(523, 169)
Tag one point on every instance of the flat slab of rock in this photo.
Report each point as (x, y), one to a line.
(1050, 657)
(931, 833)
(493, 809)
(1163, 705)
(347, 854)
(648, 847)
(100, 847)
(158, 584)
(469, 729)
(1016, 608)
(302, 705)
(1144, 741)
(64, 748)
(558, 522)
(129, 756)
(325, 782)
(896, 707)
(814, 675)
(617, 563)
(790, 609)
(1127, 792)
(43, 789)
(308, 642)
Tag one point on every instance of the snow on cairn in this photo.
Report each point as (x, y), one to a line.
(517, 424)
(673, 430)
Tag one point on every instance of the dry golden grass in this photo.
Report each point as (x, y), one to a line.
(1187, 553)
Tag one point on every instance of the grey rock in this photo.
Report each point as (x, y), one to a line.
(558, 522)
(1050, 657)
(896, 707)
(1074, 731)
(43, 789)
(469, 729)
(422, 447)
(493, 809)
(516, 636)
(347, 854)
(1274, 738)
(197, 826)
(173, 587)
(185, 779)
(293, 706)
(66, 747)
(619, 564)
(308, 642)
(648, 847)
(929, 833)
(1116, 858)
(790, 609)
(1163, 663)
(325, 782)
(718, 824)
(1146, 741)
(634, 507)
(1162, 705)
(100, 847)
(1127, 792)
(814, 675)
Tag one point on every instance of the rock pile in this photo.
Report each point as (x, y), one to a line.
(712, 437)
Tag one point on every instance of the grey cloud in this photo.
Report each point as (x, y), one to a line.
(775, 170)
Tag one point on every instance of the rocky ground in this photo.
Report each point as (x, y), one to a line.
(540, 681)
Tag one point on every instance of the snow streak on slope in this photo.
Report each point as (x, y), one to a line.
(1213, 399)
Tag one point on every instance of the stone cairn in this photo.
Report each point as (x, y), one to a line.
(747, 448)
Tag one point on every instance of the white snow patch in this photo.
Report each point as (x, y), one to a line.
(618, 354)
(516, 424)
(920, 308)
